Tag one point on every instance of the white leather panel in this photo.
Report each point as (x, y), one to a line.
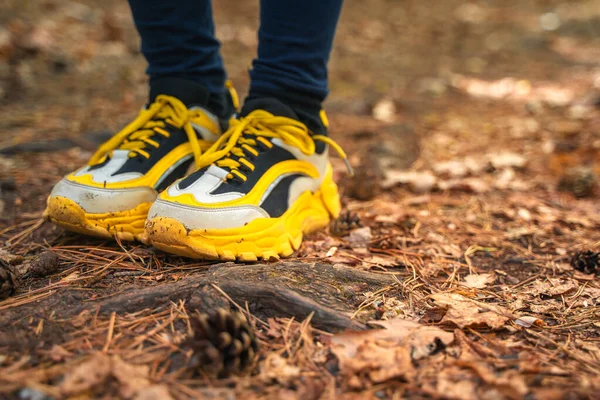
(301, 185)
(320, 161)
(171, 169)
(100, 200)
(201, 188)
(104, 174)
(207, 218)
(205, 133)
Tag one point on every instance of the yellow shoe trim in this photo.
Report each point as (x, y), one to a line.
(235, 99)
(255, 195)
(148, 179)
(124, 225)
(263, 238)
(164, 109)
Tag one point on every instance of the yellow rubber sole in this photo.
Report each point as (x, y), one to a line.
(263, 238)
(124, 225)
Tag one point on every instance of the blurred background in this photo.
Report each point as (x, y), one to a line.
(474, 131)
(438, 95)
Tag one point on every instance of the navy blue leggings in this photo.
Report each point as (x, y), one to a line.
(295, 39)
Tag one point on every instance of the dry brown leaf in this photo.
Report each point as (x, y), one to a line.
(418, 182)
(474, 185)
(376, 362)
(580, 276)
(383, 261)
(400, 331)
(9, 258)
(507, 160)
(341, 259)
(547, 307)
(276, 328)
(86, 375)
(550, 393)
(451, 169)
(422, 339)
(504, 179)
(59, 353)
(469, 350)
(384, 110)
(133, 378)
(331, 251)
(479, 281)
(585, 222)
(154, 392)
(134, 382)
(359, 235)
(432, 269)
(71, 277)
(528, 321)
(510, 383)
(591, 347)
(553, 286)
(465, 312)
(278, 368)
(452, 250)
(475, 368)
(377, 355)
(455, 383)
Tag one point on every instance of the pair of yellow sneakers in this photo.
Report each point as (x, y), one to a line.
(258, 186)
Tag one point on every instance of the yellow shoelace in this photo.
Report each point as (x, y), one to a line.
(262, 124)
(136, 136)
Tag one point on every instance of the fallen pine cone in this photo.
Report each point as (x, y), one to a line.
(365, 183)
(45, 264)
(586, 262)
(8, 280)
(579, 181)
(346, 222)
(223, 343)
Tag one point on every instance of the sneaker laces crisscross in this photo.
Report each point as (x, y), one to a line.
(137, 136)
(234, 148)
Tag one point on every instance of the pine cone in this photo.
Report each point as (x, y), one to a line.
(8, 279)
(580, 181)
(344, 224)
(365, 184)
(45, 264)
(222, 343)
(586, 262)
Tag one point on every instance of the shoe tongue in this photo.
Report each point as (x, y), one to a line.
(269, 104)
(189, 92)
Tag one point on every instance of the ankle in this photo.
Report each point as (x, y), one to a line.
(192, 93)
(307, 108)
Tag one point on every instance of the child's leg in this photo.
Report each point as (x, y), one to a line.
(295, 40)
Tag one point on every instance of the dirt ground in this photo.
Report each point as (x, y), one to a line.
(470, 233)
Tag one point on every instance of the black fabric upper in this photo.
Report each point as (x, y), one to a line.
(191, 94)
(269, 104)
(277, 107)
(175, 174)
(191, 178)
(262, 163)
(306, 112)
(100, 165)
(194, 94)
(276, 202)
(142, 164)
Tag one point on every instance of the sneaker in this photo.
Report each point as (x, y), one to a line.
(111, 196)
(263, 185)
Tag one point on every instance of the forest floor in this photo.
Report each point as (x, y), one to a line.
(469, 237)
